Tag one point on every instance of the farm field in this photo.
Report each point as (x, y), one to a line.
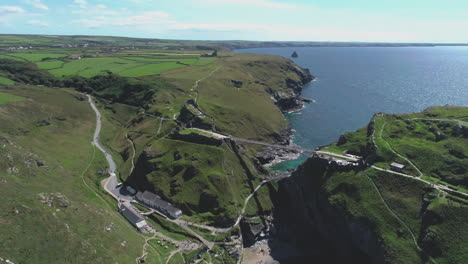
(4, 80)
(129, 64)
(8, 98)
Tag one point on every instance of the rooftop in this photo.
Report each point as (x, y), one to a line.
(397, 165)
(126, 209)
(157, 201)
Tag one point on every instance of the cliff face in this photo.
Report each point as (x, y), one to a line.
(290, 99)
(303, 213)
(380, 217)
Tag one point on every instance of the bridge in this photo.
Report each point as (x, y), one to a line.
(294, 148)
(249, 141)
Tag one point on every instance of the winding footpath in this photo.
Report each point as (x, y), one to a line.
(396, 153)
(97, 131)
(439, 187)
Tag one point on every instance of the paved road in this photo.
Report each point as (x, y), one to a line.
(110, 184)
(97, 131)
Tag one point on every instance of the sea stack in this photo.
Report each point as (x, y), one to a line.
(294, 55)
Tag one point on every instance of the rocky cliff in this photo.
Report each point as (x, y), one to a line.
(304, 213)
(290, 100)
(368, 215)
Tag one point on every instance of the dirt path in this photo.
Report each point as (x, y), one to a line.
(197, 82)
(395, 215)
(172, 254)
(144, 253)
(398, 154)
(133, 155)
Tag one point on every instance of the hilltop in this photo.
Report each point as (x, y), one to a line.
(148, 99)
(382, 215)
(79, 41)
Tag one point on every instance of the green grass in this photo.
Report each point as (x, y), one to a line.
(124, 66)
(177, 259)
(8, 98)
(89, 67)
(440, 158)
(150, 69)
(205, 182)
(205, 61)
(34, 232)
(432, 217)
(169, 229)
(4, 80)
(11, 57)
(48, 65)
(36, 57)
(161, 249)
(195, 131)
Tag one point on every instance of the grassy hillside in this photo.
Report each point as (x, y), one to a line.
(52, 209)
(394, 207)
(141, 93)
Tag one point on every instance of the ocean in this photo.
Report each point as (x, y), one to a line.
(353, 83)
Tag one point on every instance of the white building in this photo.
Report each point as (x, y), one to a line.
(135, 218)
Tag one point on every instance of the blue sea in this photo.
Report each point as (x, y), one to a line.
(354, 83)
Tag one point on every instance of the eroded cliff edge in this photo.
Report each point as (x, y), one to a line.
(364, 215)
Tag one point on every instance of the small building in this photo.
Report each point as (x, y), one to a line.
(155, 202)
(135, 218)
(131, 190)
(396, 167)
(74, 57)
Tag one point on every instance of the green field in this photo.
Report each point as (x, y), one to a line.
(51, 64)
(57, 213)
(128, 67)
(435, 141)
(150, 69)
(35, 57)
(8, 98)
(4, 80)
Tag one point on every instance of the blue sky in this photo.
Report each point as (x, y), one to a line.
(301, 20)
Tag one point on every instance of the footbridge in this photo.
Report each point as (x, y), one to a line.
(294, 148)
(254, 142)
(286, 147)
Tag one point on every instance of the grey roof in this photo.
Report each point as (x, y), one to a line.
(398, 165)
(154, 200)
(129, 213)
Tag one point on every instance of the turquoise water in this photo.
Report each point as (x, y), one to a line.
(354, 83)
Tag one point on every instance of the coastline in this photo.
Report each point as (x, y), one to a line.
(275, 156)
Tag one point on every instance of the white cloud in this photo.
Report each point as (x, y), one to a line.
(8, 10)
(143, 19)
(37, 4)
(99, 10)
(37, 23)
(260, 3)
(80, 3)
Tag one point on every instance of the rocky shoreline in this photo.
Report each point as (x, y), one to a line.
(287, 102)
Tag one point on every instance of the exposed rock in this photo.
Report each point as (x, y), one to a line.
(5, 261)
(197, 138)
(177, 156)
(304, 212)
(237, 83)
(294, 55)
(291, 100)
(41, 163)
(44, 122)
(341, 140)
(54, 200)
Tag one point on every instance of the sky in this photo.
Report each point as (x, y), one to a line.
(433, 21)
